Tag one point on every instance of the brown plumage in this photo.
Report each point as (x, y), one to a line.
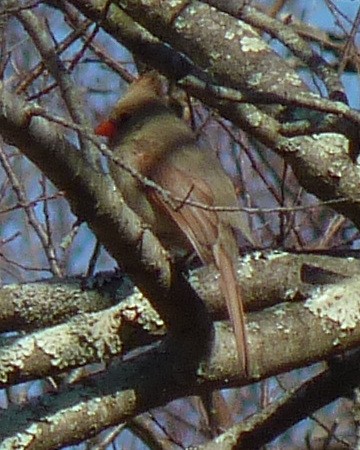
(147, 136)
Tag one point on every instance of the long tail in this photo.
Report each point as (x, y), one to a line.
(226, 264)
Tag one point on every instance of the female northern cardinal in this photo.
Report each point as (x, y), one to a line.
(148, 136)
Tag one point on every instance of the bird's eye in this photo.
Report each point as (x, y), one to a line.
(124, 118)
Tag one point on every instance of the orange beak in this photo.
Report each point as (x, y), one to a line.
(106, 128)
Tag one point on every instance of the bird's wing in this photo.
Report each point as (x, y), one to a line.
(199, 225)
(212, 240)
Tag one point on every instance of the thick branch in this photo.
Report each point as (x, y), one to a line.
(285, 33)
(123, 391)
(304, 332)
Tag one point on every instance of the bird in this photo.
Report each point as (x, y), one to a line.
(185, 207)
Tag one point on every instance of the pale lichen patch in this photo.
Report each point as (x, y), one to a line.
(280, 313)
(21, 441)
(137, 309)
(193, 279)
(245, 27)
(276, 254)
(229, 35)
(175, 3)
(254, 256)
(335, 142)
(215, 55)
(254, 326)
(290, 294)
(246, 270)
(336, 169)
(293, 78)
(106, 340)
(60, 354)
(180, 23)
(256, 118)
(339, 303)
(192, 10)
(255, 79)
(12, 360)
(252, 44)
